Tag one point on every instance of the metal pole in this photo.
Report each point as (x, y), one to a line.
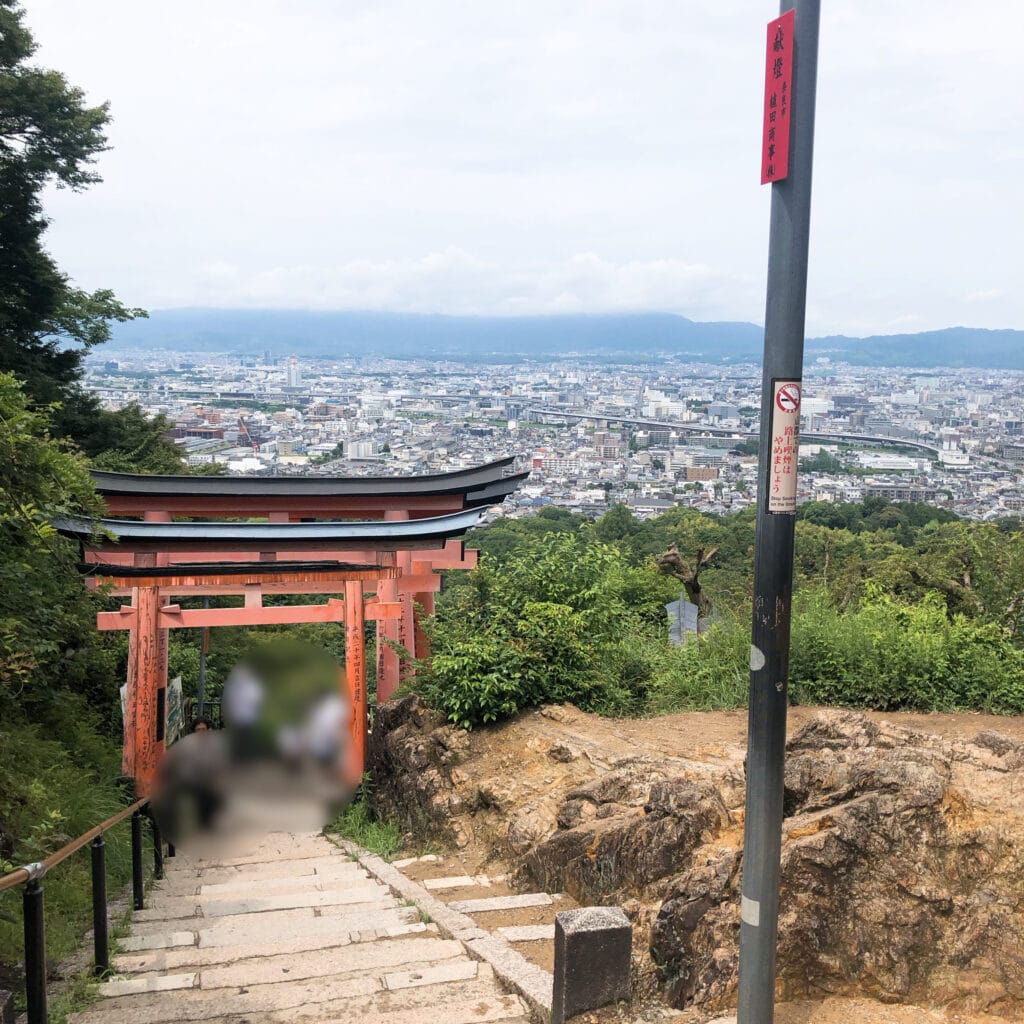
(773, 557)
(101, 949)
(35, 952)
(138, 886)
(158, 847)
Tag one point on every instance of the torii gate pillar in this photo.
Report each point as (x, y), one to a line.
(145, 707)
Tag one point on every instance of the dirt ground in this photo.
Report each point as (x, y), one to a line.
(708, 736)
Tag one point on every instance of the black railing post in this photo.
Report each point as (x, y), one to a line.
(138, 887)
(35, 951)
(101, 948)
(158, 847)
(171, 850)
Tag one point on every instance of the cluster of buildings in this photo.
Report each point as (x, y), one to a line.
(652, 437)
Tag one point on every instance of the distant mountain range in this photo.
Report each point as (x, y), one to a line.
(622, 337)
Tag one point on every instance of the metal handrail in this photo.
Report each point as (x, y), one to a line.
(39, 868)
(30, 875)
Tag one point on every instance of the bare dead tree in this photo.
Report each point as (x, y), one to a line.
(671, 563)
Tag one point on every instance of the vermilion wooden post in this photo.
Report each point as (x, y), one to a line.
(389, 666)
(407, 623)
(425, 601)
(355, 665)
(144, 743)
(162, 650)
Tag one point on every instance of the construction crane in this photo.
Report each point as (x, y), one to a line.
(243, 428)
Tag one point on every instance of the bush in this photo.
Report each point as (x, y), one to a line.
(889, 655)
(569, 619)
(709, 672)
(57, 780)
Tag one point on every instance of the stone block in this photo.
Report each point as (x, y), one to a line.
(592, 960)
(6, 1007)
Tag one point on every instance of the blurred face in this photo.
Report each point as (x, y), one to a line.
(283, 762)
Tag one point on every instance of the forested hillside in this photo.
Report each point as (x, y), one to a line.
(59, 725)
(896, 606)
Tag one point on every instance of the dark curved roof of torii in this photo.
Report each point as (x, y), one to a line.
(481, 485)
(130, 534)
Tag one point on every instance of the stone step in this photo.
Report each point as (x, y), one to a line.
(162, 940)
(292, 868)
(338, 896)
(320, 933)
(526, 899)
(178, 910)
(231, 931)
(243, 885)
(349, 873)
(181, 908)
(254, 878)
(360, 997)
(427, 858)
(160, 900)
(319, 963)
(152, 983)
(457, 882)
(265, 853)
(183, 958)
(527, 932)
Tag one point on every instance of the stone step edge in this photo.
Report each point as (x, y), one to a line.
(531, 982)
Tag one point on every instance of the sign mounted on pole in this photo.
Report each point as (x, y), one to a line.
(785, 433)
(778, 96)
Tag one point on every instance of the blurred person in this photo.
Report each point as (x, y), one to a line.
(243, 701)
(190, 790)
(284, 762)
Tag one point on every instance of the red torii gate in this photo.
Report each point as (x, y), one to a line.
(396, 557)
(304, 499)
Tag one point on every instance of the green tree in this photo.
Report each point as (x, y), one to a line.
(565, 618)
(49, 136)
(45, 617)
(129, 441)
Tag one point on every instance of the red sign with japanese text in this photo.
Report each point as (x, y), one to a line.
(778, 96)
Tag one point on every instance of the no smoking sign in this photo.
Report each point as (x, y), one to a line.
(785, 438)
(787, 397)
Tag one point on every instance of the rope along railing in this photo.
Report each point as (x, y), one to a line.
(31, 876)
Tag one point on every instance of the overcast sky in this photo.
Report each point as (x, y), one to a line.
(469, 156)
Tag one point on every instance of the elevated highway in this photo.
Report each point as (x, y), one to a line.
(714, 431)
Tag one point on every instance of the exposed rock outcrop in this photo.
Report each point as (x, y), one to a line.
(901, 866)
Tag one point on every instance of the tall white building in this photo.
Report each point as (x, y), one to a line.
(294, 373)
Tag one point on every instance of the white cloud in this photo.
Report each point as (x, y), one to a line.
(536, 156)
(455, 281)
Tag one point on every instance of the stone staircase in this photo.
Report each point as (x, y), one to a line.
(526, 920)
(294, 930)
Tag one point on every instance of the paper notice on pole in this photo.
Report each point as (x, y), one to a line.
(785, 439)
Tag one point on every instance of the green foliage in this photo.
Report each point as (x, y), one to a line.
(129, 441)
(48, 136)
(897, 606)
(709, 672)
(57, 779)
(44, 612)
(548, 625)
(890, 655)
(823, 462)
(359, 825)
